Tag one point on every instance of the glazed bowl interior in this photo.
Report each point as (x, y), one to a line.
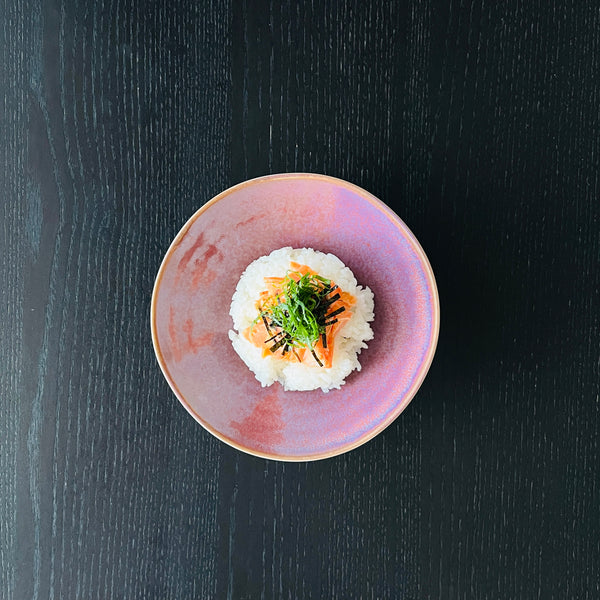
(190, 315)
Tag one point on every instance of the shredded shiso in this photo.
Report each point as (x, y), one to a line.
(299, 314)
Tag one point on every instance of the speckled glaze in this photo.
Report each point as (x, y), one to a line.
(190, 315)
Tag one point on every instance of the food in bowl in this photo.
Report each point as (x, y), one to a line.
(301, 319)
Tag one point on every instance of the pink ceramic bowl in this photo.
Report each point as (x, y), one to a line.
(190, 315)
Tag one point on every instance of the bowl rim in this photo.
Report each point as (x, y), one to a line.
(423, 368)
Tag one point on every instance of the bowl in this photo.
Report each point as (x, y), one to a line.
(190, 315)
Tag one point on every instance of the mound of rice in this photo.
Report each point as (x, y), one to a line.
(350, 339)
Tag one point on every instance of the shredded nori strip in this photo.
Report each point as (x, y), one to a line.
(331, 300)
(266, 324)
(341, 309)
(274, 336)
(312, 351)
(278, 344)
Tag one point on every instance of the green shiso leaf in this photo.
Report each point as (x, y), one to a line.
(299, 311)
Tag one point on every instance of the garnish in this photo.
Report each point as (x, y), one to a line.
(298, 314)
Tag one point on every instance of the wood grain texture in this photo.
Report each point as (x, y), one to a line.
(14, 249)
(476, 121)
(124, 111)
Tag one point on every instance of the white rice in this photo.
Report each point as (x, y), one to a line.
(349, 341)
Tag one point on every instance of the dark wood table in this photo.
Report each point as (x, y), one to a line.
(477, 122)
